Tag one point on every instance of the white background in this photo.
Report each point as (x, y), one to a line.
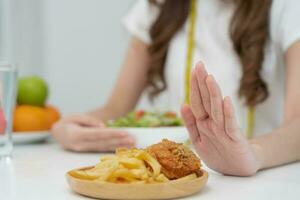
(76, 45)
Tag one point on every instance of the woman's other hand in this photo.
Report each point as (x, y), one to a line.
(213, 128)
(83, 133)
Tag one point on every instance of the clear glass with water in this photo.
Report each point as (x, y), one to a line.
(8, 78)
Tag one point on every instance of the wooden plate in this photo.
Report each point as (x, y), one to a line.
(106, 190)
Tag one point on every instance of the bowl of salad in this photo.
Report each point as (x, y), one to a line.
(151, 127)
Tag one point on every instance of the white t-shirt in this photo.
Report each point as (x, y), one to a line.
(215, 49)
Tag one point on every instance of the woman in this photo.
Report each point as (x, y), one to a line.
(252, 48)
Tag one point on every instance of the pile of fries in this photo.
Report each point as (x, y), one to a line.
(126, 166)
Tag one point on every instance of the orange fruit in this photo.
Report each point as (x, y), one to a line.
(52, 113)
(30, 118)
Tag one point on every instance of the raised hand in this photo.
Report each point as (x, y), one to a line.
(213, 128)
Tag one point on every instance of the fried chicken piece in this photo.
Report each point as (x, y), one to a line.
(176, 159)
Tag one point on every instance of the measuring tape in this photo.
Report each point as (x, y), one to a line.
(190, 49)
(189, 61)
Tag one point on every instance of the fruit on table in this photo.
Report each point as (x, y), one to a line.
(34, 118)
(32, 90)
(30, 118)
(2, 121)
(53, 114)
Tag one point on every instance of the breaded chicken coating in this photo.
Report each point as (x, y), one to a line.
(176, 159)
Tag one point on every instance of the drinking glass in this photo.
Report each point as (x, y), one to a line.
(8, 77)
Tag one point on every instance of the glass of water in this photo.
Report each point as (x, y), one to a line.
(8, 78)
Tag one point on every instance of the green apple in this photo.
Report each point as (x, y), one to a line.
(32, 90)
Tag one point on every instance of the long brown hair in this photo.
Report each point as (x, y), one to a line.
(249, 31)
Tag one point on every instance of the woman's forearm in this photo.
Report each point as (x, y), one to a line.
(278, 147)
(130, 83)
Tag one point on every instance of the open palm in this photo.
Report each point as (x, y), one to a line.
(213, 128)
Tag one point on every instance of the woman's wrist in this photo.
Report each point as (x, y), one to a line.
(102, 113)
(258, 153)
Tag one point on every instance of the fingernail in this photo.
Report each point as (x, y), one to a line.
(209, 78)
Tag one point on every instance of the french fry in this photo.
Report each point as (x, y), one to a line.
(124, 174)
(131, 163)
(154, 164)
(81, 174)
(109, 157)
(161, 178)
(127, 166)
(188, 177)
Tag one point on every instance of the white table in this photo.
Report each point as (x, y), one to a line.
(37, 172)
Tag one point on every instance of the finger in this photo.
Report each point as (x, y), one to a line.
(92, 134)
(231, 126)
(215, 101)
(195, 99)
(190, 123)
(85, 120)
(201, 77)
